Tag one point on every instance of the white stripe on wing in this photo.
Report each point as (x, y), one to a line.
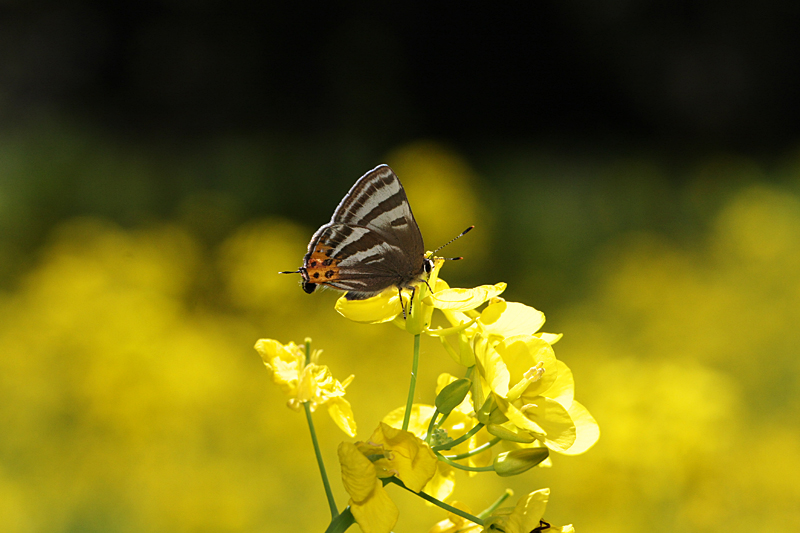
(369, 199)
(356, 233)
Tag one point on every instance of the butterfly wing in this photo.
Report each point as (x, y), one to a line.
(372, 241)
(378, 201)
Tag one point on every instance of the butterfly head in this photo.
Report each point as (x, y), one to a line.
(427, 265)
(318, 268)
(308, 286)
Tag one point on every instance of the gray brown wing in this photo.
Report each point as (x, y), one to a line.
(378, 201)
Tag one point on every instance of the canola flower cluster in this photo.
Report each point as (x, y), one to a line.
(517, 397)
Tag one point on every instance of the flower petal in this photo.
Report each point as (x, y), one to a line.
(586, 427)
(491, 366)
(523, 363)
(418, 423)
(528, 511)
(342, 414)
(551, 338)
(510, 318)
(408, 457)
(442, 483)
(465, 299)
(563, 388)
(376, 310)
(284, 362)
(554, 419)
(545, 417)
(378, 514)
(518, 418)
(358, 472)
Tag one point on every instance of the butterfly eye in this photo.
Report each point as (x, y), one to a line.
(427, 265)
(309, 287)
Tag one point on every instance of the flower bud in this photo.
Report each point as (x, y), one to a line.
(477, 395)
(452, 395)
(518, 461)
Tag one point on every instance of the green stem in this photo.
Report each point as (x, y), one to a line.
(315, 442)
(340, 523)
(476, 451)
(318, 452)
(431, 425)
(438, 503)
(465, 467)
(489, 510)
(412, 385)
(459, 440)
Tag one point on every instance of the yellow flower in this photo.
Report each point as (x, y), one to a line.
(387, 306)
(370, 504)
(381, 308)
(388, 452)
(400, 453)
(501, 319)
(307, 383)
(506, 319)
(462, 300)
(535, 392)
(525, 517)
(441, 485)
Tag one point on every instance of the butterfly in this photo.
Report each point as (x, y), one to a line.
(371, 243)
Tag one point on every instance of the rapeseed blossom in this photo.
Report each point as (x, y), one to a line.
(388, 452)
(307, 382)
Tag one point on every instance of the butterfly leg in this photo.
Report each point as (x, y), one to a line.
(410, 301)
(403, 307)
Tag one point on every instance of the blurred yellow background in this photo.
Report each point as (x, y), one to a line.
(131, 398)
(632, 170)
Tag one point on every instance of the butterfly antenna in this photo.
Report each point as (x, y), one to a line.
(452, 240)
(290, 272)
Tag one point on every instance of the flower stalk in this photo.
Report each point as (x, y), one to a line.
(475, 451)
(465, 437)
(489, 510)
(342, 522)
(317, 451)
(438, 503)
(459, 466)
(320, 463)
(413, 385)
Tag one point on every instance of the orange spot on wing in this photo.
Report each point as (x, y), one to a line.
(320, 267)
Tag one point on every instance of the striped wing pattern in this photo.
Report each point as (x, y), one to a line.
(371, 243)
